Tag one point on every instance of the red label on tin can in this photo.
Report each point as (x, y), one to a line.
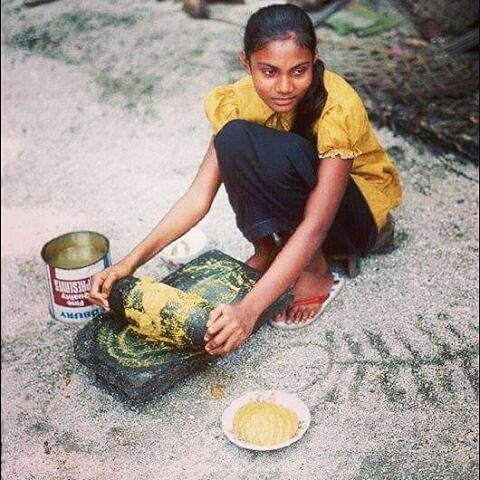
(70, 293)
(69, 290)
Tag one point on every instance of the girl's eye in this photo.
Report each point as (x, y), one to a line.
(299, 71)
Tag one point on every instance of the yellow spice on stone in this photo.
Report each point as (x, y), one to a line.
(265, 423)
(131, 351)
(150, 322)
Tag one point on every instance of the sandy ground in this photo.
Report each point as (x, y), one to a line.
(102, 127)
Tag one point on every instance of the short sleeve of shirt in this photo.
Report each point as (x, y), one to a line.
(221, 107)
(342, 129)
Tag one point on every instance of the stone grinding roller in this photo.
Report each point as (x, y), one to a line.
(161, 312)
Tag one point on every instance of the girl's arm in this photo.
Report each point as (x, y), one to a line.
(184, 214)
(230, 325)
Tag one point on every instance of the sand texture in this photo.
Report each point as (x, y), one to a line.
(102, 129)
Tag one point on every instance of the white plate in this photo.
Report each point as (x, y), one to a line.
(288, 400)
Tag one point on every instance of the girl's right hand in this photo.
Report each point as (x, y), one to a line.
(102, 283)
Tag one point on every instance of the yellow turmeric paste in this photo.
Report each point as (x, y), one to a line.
(265, 423)
(130, 350)
(164, 311)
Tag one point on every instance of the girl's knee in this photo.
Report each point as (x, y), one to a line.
(231, 137)
(234, 127)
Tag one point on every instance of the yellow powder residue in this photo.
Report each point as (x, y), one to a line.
(151, 320)
(228, 277)
(265, 423)
(216, 391)
(133, 351)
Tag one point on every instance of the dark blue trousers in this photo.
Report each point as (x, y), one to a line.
(268, 176)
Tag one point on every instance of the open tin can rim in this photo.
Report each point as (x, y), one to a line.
(103, 247)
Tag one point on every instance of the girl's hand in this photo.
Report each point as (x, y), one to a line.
(228, 327)
(102, 283)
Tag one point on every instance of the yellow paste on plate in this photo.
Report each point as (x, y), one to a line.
(265, 423)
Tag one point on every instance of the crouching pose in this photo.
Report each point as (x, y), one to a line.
(304, 172)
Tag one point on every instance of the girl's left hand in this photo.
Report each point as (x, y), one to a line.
(228, 327)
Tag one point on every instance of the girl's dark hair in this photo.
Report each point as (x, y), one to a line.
(282, 22)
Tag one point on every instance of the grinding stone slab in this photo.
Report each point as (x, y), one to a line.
(138, 368)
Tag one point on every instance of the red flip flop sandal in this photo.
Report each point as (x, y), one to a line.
(324, 300)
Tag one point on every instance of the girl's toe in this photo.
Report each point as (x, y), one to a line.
(306, 315)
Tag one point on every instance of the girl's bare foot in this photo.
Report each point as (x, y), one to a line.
(309, 285)
(265, 252)
(315, 281)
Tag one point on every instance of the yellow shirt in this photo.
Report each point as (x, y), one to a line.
(343, 129)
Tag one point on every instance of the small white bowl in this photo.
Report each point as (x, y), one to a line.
(284, 399)
(185, 248)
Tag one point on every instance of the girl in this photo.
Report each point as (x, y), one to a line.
(303, 171)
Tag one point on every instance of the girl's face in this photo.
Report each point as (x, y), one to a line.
(281, 72)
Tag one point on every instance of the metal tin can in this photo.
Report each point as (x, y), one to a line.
(71, 260)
